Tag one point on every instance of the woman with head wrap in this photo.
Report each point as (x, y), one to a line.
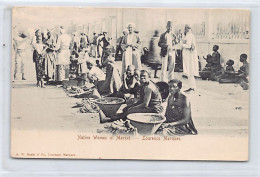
(50, 58)
(40, 61)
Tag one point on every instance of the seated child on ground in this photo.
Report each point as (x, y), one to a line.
(229, 76)
(230, 64)
(130, 82)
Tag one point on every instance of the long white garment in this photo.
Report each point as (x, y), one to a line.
(194, 54)
(130, 56)
(21, 44)
(188, 60)
(64, 54)
(168, 60)
(128, 53)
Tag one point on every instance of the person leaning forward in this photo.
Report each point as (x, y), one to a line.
(166, 42)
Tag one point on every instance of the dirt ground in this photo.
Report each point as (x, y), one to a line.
(218, 110)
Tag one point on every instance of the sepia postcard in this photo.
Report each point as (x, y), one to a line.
(130, 83)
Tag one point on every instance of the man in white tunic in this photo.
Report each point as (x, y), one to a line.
(63, 47)
(130, 45)
(63, 57)
(167, 43)
(190, 59)
(20, 44)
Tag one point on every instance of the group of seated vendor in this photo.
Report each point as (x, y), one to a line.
(241, 76)
(178, 111)
(149, 100)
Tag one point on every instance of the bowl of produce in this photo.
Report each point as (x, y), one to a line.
(146, 123)
(109, 105)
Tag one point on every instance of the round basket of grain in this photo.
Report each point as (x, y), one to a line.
(109, 105)
(146, 123)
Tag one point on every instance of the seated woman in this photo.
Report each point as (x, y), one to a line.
(150, 98)
(112, 82)
(229, 76)
(178, 112)
(95, 74)
(130, 84)
(244, 69)
(244, 72)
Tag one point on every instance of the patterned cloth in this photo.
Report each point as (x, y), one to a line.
(39, 65)
(174, 112)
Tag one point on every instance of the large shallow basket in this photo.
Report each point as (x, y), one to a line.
(109, 105)
(146, 123)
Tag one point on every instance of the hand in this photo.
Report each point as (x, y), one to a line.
(165, 125)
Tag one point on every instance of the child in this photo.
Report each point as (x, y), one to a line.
(129, 83)
(230, 64)
(178, 112)
(230, 75)
(98, 64)
(205, 73)
(74, 63)
(137, 74)
(209, 61)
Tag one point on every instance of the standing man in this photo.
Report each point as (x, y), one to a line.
(99, 45)
(63, 53)
(190, 58)
(166, 42)
(106, 47)
(130, 45)
(84, 42)
(94, 45)
(20, 45)
(118, 46)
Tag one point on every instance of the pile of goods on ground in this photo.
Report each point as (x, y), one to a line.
(82, 92)
(87, 106)
(120, 127)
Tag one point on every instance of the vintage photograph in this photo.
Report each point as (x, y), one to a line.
(130, 83)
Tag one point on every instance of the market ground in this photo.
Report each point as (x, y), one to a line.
(218, 110)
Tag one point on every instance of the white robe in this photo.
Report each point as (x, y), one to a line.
(191, 54)
(64, 45)
(190, 59)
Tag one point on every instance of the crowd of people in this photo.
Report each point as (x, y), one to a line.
(61, 49)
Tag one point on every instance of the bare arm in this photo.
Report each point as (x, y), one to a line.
(187, 114)
(124, 81)
(147, 98)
